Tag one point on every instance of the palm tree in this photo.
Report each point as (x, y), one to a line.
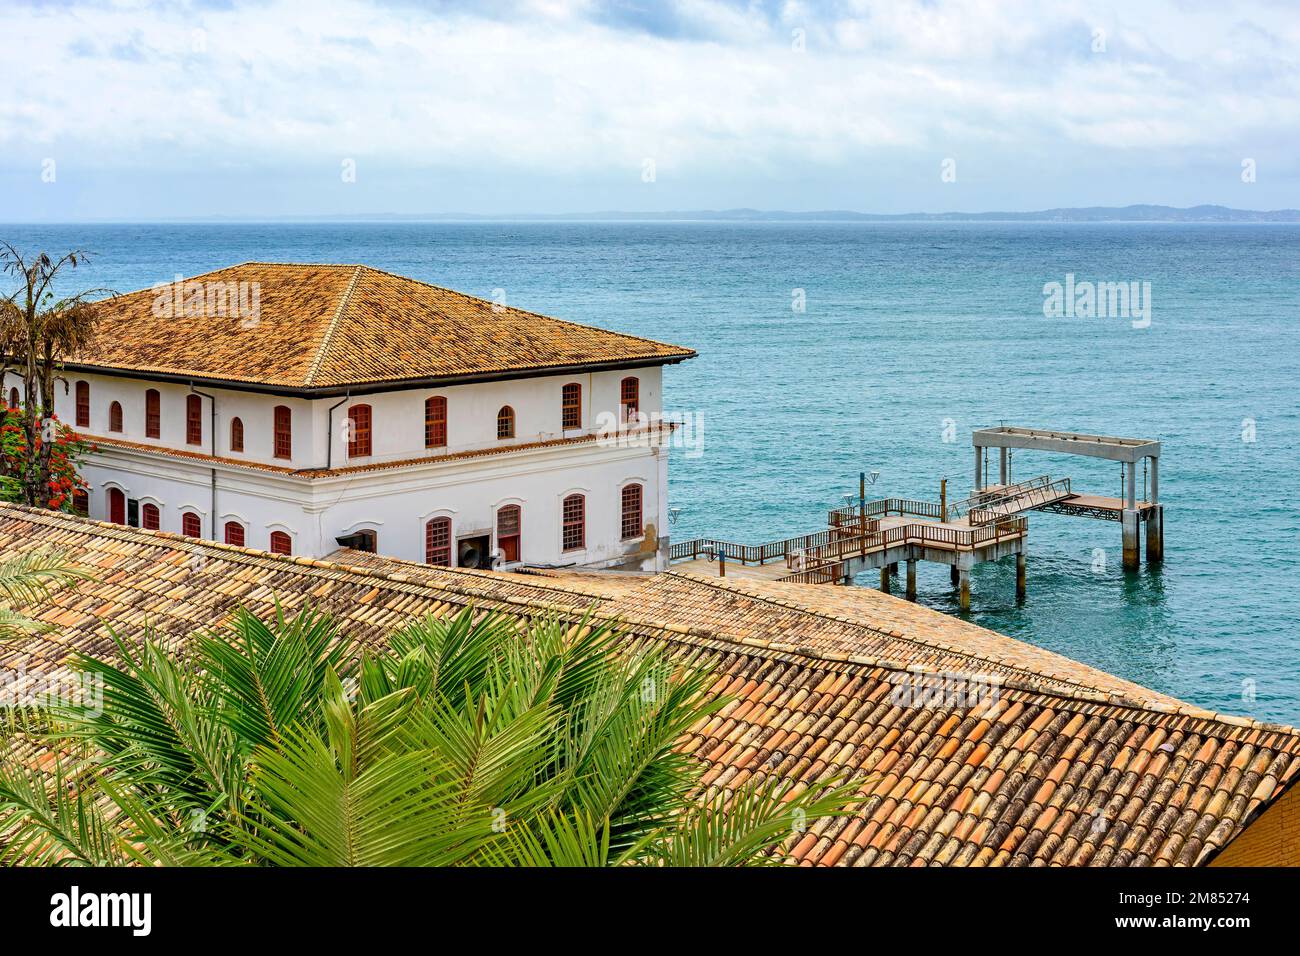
(28, 579)
(37, 330)
(475, 740)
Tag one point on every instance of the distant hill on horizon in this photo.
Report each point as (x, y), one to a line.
(1132, 213)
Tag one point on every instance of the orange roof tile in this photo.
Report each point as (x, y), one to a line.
(331, 327)
(1065, 765)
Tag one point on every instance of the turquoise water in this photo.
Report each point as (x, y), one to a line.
(908, 326)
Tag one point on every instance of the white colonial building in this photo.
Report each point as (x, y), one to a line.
(300, 408)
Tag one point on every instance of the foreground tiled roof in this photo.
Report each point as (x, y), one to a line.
(1062, 765)
(332, 326)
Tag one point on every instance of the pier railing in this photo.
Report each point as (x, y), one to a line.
(785, 549)
(959, 508)
(850, 515)
(1022, 501)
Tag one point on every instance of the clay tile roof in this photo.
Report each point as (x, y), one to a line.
(319, 327)
(1061, 765)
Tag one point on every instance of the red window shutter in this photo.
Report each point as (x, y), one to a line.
(281, 543)
(115, 417)
(574, 511)
(359, 441)
(116, 506)
(152, 414)
(509, 518)
(571, 406)
(630, 398)
(435, 422)
(149, 517)
(193, 420)
(632, 524)
(83, 404)
(236, 434)
(437, 542)
(191, 527)
(283, 432)
(235, 533)
(81, 501)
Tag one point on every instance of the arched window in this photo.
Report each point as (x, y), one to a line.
(281, 543)
(152, 414)
(234, 533)
(115, 417)
(149, 517)
(574, 511)
(632, 524)
(359, 434)
(81, 502)
(369, 541)
(13, 398)
(508, 521)
(283, 432)
(116, 506)
(193, 420)
(435, 422)
(506, 422)
(630, 398)
(83, 404)
(191, 526)
(437, 542)
(571, 406)
(236, 434)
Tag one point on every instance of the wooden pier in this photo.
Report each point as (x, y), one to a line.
(988, 525)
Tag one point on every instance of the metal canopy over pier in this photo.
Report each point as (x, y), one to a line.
(1130, 511)
(988, 525)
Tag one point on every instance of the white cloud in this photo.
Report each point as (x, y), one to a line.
(554, 89)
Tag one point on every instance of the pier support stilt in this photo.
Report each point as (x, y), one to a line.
(1020, 576)
(911, 580)
(1156, 534)
(884, 579)
(963, 600)
(1129, 521)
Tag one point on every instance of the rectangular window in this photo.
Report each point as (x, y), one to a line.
(152, 414)
(435, 422)
(193, 420)
(571, 406)
(83, 404)
(575, 523)
(283, 432)
(630, 399)
(632, 524)
(437, 542)
(359, 432)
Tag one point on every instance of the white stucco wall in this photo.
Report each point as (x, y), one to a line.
(320, 437)
(395, 503)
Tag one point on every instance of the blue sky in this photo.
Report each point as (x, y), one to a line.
(138, 110)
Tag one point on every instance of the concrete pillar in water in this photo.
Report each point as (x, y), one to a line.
(979, 468)
(1129, 521)
(1156, 533)
(1020, 576)
(884, 579)
(1002, 467)
(911, 580)
(963, 600)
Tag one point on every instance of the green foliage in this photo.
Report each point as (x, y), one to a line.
(469, 741)
(28, 578)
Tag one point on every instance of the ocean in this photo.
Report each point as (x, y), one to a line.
(910, 336)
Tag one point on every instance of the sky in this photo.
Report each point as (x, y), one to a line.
(134, 110)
